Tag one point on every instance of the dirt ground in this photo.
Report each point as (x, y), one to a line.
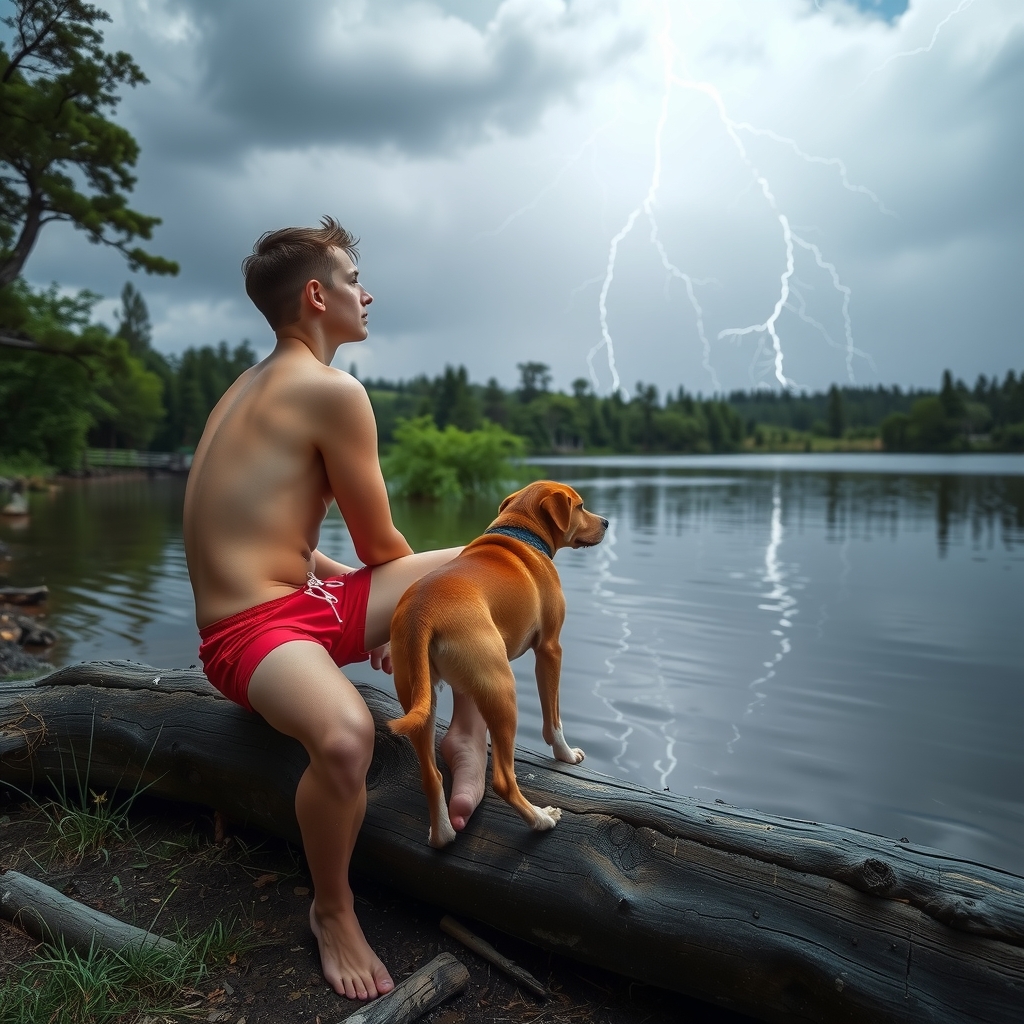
(172, 867)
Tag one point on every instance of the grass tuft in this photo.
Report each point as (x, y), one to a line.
(61, 986)
(90, 825)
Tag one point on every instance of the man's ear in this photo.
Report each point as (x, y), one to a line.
(558, 505)
(507, 501)
(313, 293)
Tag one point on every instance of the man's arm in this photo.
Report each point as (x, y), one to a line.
(347, 439)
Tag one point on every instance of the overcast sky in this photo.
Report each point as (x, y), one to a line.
(489, 154)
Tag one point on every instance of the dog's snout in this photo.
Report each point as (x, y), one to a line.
(604, 522)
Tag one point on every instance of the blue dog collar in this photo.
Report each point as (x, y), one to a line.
(526, 536)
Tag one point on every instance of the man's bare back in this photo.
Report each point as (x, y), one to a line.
(287, 437)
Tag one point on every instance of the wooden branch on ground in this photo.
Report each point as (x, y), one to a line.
(484, 949)
(784, 920)
(431, 985)
(52, 917)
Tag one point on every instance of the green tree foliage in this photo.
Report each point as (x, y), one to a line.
(454, 401)
(426, 462)
(77, 378)
(552, 421)
(956, 419)
(133, 321)
(61, 159)
(194, 383)
(987, 418)
(863, 407)
(836, 412)
(80, 385)
(534, 380)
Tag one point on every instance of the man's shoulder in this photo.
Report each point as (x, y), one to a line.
(309, 379)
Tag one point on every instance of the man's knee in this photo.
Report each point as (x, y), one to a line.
(344, 750)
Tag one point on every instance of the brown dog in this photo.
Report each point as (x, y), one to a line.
(465, 621)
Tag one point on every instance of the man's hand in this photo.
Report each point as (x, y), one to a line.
(380, 658)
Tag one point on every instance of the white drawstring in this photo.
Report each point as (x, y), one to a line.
(317, 588)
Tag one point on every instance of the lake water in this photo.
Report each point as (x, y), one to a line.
(835, 638)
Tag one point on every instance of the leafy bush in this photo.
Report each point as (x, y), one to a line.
(1009, 438)
(429, 463)
(24, 464)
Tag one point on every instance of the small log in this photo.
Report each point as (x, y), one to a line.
(484, 949)
(781, 919)
(24, 595)
(52, 917)
(431, 985)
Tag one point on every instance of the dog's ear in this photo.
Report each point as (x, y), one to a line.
(558, 505)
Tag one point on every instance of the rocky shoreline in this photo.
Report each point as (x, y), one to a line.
(20, 629)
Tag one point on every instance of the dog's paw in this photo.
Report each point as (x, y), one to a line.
(562, 751)
(445, 835)
(571, 755)
(546, 818)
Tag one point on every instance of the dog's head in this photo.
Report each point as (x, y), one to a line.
(555, 512)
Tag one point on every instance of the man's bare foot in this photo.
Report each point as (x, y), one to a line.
(350, 966)
(464, 748)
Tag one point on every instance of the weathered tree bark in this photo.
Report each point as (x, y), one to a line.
(50, 916)
(430, 986)
(784, 920)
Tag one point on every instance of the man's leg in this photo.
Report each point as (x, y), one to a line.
(464, 746)
(299, 690)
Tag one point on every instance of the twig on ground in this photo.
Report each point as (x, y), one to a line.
(489, 953)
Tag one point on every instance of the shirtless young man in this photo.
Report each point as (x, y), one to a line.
(276, 616)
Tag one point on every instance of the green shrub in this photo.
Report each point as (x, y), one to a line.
(24, 464)
(429, 463)
(1009, 438)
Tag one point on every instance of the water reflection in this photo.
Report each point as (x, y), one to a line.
(835, 645)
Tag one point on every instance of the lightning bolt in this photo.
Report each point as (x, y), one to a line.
(962, 6)
(647, 207)
(791, 240)
(553, 183)
(829, 161)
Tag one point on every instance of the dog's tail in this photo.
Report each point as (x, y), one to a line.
(410, 658)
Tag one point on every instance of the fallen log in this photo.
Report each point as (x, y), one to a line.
(50, 916)
(430, 986)
(783, 920)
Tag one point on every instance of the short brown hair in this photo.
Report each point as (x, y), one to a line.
(282, 261)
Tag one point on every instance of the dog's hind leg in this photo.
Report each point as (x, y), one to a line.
(422, 738)
(497, 704)
(549, 667)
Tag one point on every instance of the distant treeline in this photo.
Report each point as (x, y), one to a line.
(989, 417)
(552, 421)
(78, 384)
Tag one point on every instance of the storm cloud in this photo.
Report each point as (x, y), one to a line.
(488, 154)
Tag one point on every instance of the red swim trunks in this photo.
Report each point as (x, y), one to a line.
(329, 612)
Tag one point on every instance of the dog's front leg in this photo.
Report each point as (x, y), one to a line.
(549, 669)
